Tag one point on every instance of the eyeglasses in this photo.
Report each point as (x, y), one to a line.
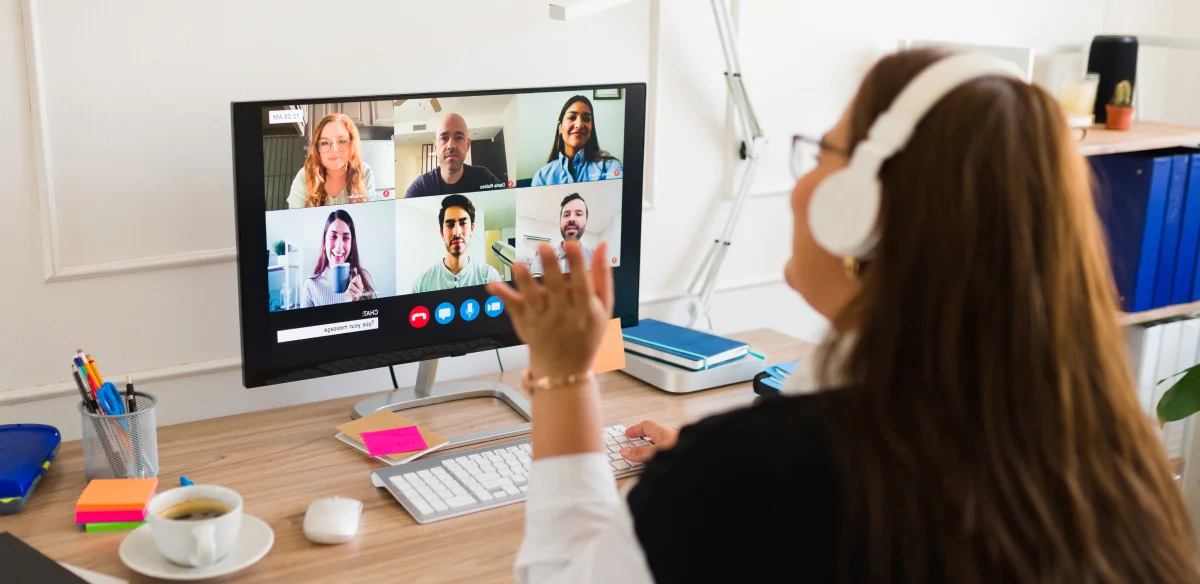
(806, 152)
(323, 145)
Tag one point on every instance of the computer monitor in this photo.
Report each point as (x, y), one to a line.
(367, 226)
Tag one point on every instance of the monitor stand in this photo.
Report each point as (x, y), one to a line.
(426, 393)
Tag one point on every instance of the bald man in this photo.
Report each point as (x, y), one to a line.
(452, 175)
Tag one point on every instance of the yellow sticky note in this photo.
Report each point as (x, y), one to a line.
(611, 355)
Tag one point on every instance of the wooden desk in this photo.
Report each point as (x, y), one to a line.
(280, 460)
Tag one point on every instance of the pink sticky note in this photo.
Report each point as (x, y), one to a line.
(394, 441)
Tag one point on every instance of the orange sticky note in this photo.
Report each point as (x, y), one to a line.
(116, 494)
(611, 355)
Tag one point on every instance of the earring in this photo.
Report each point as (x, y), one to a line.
(851, 266)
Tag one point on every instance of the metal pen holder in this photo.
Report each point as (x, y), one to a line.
(123, 446)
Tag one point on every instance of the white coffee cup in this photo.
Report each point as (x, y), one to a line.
(195, 542)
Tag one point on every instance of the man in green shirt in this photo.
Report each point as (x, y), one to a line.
(456, 270)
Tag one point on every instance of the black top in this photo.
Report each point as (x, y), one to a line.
(753, 495)
(431, 183)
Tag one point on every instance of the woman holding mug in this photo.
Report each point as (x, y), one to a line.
(333, 173)
(970, 417)
(338, 277)
(576, 155)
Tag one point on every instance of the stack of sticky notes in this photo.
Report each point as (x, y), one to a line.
(389, 437)
(114, 504)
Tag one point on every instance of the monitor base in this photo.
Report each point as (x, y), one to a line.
(427, 393)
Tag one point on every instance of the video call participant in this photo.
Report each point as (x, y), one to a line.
(456, 221)
(452, 174)
(333, 173)
(576, 155)
(572, 222)
(339, 264)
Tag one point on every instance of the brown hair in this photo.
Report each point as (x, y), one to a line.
(314, 172)
(993, 433)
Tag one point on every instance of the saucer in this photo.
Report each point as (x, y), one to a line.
(139, 553)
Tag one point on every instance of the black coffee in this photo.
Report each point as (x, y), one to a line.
(195, 510)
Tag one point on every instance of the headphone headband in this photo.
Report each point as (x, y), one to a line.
(845, 207)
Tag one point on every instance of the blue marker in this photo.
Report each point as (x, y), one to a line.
(185, 481)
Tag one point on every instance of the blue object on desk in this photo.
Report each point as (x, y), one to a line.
(110, 399)
(185, 482)
(25, 453)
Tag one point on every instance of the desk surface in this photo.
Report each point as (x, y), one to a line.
(282, 459)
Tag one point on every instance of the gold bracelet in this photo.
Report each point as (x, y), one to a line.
(548, 383)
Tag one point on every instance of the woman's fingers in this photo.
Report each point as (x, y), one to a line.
(513, 301)
(579, 283)
(552, 277)
(602, 276)
(527, 288)
(638, 453)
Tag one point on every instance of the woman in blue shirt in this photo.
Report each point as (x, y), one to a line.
(576, 155)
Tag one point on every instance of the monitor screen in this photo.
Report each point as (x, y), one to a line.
(367, 227)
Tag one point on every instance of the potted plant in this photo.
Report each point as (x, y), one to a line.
(1120, 107)
(281, 252)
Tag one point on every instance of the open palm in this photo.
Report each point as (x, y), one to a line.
(564, 317)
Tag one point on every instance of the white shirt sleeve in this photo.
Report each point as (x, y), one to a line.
(578, 530)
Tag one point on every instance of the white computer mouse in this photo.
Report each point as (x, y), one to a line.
(332, 520)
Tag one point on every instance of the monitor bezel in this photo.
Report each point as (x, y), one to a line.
(256, 334)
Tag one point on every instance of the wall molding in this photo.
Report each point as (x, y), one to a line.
(52, 266)
(42, 392)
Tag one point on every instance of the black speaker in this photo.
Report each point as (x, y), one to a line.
(1114, 57)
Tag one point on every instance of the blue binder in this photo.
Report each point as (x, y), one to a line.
(1132, 201)
(1189, 236)
(1172, 220)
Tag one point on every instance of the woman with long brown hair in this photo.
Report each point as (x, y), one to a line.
(970, 418)
(334, 172)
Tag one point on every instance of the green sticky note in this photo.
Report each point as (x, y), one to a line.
(115, 526)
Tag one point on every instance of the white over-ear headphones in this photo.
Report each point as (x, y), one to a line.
(845, 206)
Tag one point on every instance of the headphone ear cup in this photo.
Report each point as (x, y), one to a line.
(842, 213)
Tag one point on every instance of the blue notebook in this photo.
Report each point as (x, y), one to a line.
(1131, 202)
(1189, 234)
(681, 346)
(1172, 221)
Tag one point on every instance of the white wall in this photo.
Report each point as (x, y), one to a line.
(121, 75)
(537, 120)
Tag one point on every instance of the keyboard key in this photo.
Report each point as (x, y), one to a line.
(425, 474)
(475, 457)
(609, 441)
(504, 472)
(519, 479)
(619, 465)
(399, 482)
(439, 506)
(524, 489)
(458, 491)
(484, 496)
(461, 460)
(613, 448)
(492, 485)
(622, 440)
(487, 476)
(439, 471)
(422, 507)
(640, 442)
(510, 489)
(413, 479)
(614, 456)
(460, 501)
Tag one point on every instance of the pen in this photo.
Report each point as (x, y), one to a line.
(129, 393)
(88, 369)
(92, 367)
(87, 381)
(87, 401)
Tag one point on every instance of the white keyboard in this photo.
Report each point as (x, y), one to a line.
(447, 486)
